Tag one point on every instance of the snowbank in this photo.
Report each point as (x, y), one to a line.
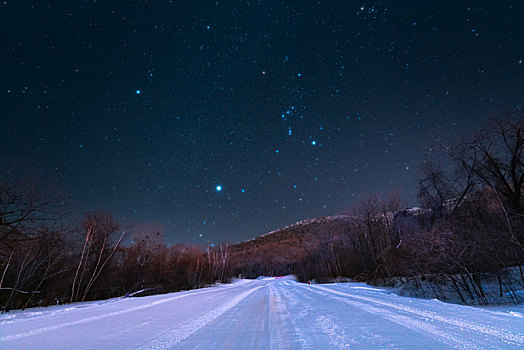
(506, 287)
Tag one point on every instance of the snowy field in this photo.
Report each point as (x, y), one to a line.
(268, 313)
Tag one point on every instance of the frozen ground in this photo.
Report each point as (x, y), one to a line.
(266, 314)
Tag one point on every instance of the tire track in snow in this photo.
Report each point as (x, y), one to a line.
(303, 305)
(100, 317)
(280, 317)
(408, 322)
(502, 334)
(292, 299)
(336, 334)
(174, 336)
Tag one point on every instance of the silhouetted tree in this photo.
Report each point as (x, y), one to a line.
(98, 248)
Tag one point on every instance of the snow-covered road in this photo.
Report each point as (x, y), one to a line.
(264, 314)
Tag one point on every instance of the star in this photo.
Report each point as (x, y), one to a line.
(212, 111)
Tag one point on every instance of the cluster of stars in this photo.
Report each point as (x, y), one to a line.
(228, 121)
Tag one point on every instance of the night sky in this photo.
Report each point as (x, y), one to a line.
(222, 120)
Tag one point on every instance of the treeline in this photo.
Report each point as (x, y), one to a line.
(470, 224)
(44, 262)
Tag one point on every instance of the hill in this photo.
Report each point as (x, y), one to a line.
(279, 252)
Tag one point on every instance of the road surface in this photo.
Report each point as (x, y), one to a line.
(268, 313)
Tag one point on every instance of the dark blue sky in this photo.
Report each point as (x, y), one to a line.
(295, 110)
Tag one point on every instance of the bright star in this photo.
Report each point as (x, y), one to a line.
(219, 188)
(138, 92)
(313, 143)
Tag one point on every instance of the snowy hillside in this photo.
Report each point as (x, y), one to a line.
(267, 313)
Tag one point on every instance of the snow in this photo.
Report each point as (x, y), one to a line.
(267, 313)
(441, 287)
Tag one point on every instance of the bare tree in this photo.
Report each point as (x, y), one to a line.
(224, 258)
(29, 233)
(491, 161)
(495, 156)
(24, 208)
(97, 250)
